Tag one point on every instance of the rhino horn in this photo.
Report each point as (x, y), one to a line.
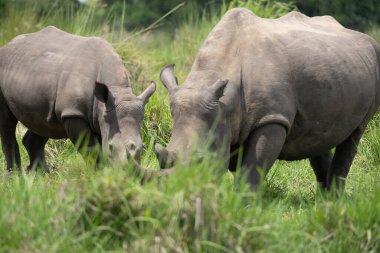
(148, 92)
(218, 87)
(168, 78)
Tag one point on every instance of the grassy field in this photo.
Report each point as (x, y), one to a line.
(199, 209)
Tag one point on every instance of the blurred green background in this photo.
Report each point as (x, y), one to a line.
(141, 13)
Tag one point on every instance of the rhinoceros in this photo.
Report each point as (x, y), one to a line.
(61, 85)
(289, 88)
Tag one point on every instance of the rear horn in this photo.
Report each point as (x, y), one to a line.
(168, 78)
(148, 92)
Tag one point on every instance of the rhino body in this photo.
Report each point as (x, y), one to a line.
(297, 87)
(61, 85)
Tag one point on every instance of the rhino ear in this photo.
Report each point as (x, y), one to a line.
(148, 92)
(101, 92)
(218, 88)
(168, 79)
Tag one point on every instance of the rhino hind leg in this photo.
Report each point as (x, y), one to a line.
(321, 165)
(35, 146)
(8, 123)
(342, 160)
(261, 151)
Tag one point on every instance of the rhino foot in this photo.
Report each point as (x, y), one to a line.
(31, 167)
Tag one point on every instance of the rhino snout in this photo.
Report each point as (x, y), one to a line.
(165, 157)
(121, 152)
(134, 150)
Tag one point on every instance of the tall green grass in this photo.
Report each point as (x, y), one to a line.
(25, 19)
(197, 209)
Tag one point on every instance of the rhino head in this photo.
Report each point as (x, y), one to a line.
(199, 120)
(119, 116)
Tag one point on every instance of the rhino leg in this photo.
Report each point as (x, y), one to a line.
(35, 145)
(342, 160)
(321, 165)
(10, 147)
(83, 137)
(234, 157)
(261, 151)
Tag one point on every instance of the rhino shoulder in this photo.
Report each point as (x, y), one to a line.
(101, 45)
(46, 30)
(48, 33)
(238, 13)
(50, 29)
(238, 16)
(234, 20)
(111, 69)
(294, 15)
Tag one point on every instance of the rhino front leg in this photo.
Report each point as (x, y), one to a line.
(261, 151)
(342, 160)
(83, 138)
(321, 165)
(10, 147)
(35, 145)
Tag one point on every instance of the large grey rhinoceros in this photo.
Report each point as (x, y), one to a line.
(297, 87)
(61, 85)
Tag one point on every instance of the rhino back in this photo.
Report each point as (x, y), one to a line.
(313, 76)
(48, 75)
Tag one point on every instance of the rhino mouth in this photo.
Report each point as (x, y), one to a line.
(168, 159)
(133, 158)
(130, 154)
(165, 157)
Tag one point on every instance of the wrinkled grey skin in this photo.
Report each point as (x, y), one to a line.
(64, 86)
(297, 87)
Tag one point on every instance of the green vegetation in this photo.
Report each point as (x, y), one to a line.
(351, 13)
(199, 209)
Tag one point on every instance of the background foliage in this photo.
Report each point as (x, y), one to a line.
(351, 13)
(141, 13)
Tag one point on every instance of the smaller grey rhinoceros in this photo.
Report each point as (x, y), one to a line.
(61, 85)
(297, 87)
